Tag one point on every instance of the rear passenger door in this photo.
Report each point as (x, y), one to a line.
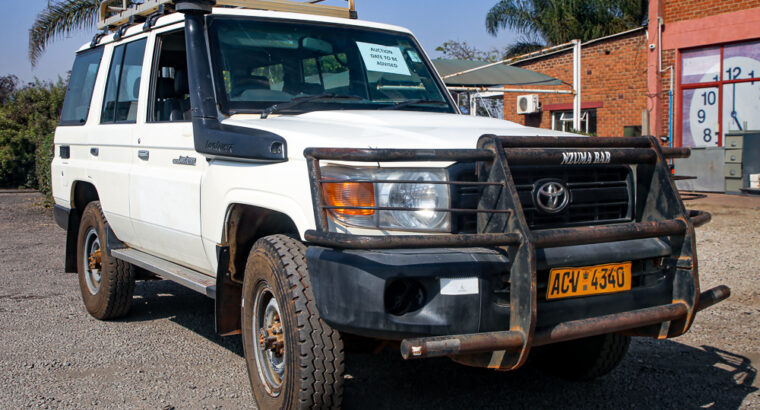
(111, 143)
(167, 171)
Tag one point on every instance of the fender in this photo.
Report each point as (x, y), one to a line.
(217, 212)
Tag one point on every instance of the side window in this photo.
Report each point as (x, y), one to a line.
(335, 73)
(76, 105)
(123, 85)
(326, 74)
(311, 72)
(563, 121)
(170, 99)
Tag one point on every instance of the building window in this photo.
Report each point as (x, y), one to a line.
(719, 93)
(632, 131)
(563, 121)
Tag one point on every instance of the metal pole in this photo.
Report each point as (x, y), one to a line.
(576, 85)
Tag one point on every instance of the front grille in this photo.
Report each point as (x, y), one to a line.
(599, 195)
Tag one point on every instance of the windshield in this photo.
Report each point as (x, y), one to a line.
(258, 64)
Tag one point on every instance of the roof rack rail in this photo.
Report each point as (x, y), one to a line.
(116, 13)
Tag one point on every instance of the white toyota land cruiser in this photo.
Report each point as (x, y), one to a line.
(311, 173)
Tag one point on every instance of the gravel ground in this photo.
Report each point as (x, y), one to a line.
(165, 354)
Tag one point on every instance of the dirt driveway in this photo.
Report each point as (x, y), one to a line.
(165, 354)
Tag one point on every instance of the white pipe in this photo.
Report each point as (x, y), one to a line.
(577, 85)
(659, 44)
(508, 90)
(526, 57)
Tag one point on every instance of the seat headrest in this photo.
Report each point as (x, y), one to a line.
(181, 86)
(164, 88)
(136, 89)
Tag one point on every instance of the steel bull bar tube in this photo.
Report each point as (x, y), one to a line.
(579, 156)
(428, 347)
(588, 142)
(346, 241)
(598, 234)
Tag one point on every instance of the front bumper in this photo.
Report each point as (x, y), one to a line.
(350, 287)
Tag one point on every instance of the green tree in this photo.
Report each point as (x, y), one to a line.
(463, 51)
(8, 84)
(28, 119)
(543, 23)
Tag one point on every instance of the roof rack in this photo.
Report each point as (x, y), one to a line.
(114, 14)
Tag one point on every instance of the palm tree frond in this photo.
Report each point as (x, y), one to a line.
(57, 20)
(559, 21)
(517, 14)
(522, 47)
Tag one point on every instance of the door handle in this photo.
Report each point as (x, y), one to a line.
(143, 154)
(94, 152)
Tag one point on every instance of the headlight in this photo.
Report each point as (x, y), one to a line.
(409, 204)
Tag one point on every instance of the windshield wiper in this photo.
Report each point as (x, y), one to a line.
(403, 104)
(307, 98)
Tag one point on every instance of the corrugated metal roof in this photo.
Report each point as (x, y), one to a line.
(491, 76)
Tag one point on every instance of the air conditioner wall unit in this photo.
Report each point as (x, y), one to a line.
(528, 104)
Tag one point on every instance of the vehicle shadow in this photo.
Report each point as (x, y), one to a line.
(661, 374)
(167, 300)
(664, 374)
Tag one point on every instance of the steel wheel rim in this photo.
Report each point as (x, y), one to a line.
(266, 318)
(92, 261)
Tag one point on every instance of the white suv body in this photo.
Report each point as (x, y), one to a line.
(315, 177)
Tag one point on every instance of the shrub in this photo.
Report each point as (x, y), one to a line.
(43, 158)
(28, 117)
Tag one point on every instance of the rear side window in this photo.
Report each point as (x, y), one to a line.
(76, 105)
(123, 85)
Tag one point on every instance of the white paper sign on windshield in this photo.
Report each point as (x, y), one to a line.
(383, 59)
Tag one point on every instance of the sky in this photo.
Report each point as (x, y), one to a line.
(432, 21)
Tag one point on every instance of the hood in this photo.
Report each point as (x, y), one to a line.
(383, 129)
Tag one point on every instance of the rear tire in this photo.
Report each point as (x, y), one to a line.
(107, 283)
(582, 359)
(294, 358)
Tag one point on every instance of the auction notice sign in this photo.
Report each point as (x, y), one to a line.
(383, 59)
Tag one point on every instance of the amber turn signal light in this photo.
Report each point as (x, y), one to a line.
(350, 194)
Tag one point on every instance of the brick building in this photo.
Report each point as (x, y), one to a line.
(709, 50)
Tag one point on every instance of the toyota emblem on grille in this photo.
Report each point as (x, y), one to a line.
(551, 196)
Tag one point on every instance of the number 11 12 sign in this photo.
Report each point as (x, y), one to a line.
(702, 110)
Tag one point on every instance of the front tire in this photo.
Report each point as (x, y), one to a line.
(107, 284)
(294, 358)
(582, 359)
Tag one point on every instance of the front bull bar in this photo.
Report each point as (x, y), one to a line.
(659, 212)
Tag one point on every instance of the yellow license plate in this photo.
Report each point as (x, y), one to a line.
(589, 280)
